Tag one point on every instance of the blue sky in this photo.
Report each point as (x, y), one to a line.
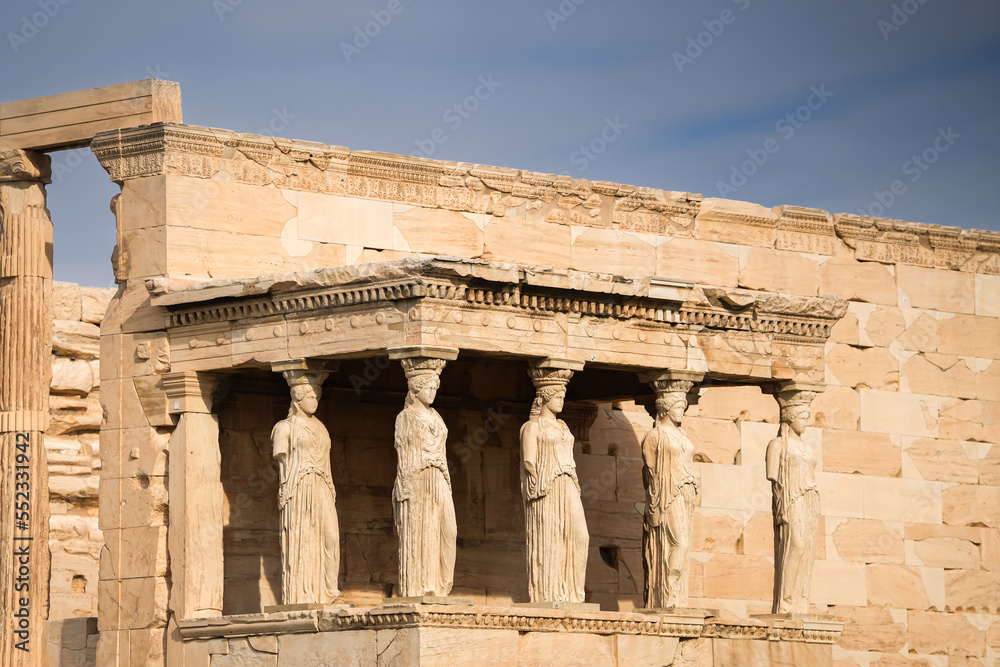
(830, 102)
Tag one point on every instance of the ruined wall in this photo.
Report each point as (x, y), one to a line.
(73, 449)
(909, 425)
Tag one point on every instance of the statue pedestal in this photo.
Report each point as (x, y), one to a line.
(417, 634)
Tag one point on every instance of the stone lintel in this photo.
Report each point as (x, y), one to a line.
(70, 120)
(425, 351)
(192, 391)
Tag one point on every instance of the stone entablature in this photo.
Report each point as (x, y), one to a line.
(494, 308)
(223, 155)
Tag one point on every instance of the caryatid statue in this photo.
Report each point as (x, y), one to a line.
(671, 487)
(791, 467)
(555, 523)
(310, 532)
(423, 507)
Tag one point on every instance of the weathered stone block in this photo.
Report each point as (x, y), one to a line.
(779, 271)
(868, 541)
(870, 282)
(933, 633)
(896, 586)
(857, 452)
(946, 291)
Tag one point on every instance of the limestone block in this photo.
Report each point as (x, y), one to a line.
(354, 647)
(933, 633)
(968, 505)
(613, 251)
(80, 340)
(872, 367)
(643, 650)
(143, 603)
(988, 383)
(841, 495)
(948, 552)
(242, 654)
(715, 440)
(72, 414)
(700, 261)
(758, 535)
(343, 220)
(869, 629)
(972, 590)
(990, 549)
(94, 302)
(896, 586)
(921, 335)
(837, 407)
(743, 353)
(629, 488)
(717, 531)
(884, 325)
(733, 487)
(75, 489)
(862, 453)
(970, 420)
(440, 646)
(846, 330)
(934, 289)
(989, 467)
(909, 500)
(969, 335)
(943, 460)
(736, 222)
(868, 541)
(987, 295)
(531, 243)
(838, 582)
(545, 648)
(779, 271)
(943, 375)
(65, 301)
(759, 652)
(896, 413)
(438, 231)
(598, 477)
(71, 376)
(870, 282)
(754, 438)
(742, 577)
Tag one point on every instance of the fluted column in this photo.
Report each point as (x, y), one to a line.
(25, 346)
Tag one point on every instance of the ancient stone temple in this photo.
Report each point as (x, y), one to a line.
(370, 409)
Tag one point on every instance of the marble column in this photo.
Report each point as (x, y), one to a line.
(555, 524)
(25, 370)
(423, 507)
(791, 467)
(310, 529)
(194, 536)
(671, 488)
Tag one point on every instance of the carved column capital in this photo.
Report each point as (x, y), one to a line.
(190, 391)
(669, 380)
(793, 392)
(20, 165)
(305, 371)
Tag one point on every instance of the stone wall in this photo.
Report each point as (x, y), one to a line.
(909, 425)
(72, 445)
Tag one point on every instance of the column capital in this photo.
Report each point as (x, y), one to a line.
(21, 165)
(191, 391)
(787, 386)
(557, 363)
(314, 370)
(669, 379)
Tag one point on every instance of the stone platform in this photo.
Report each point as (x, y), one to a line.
(404, 635)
